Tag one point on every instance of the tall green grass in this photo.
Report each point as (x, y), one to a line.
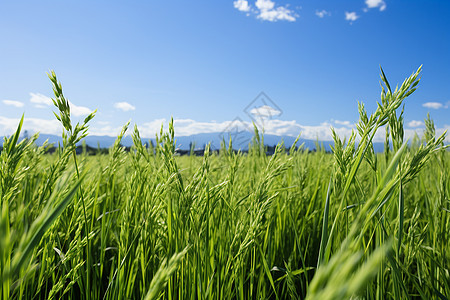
(148, 224)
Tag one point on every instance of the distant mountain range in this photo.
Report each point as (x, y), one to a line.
(240, 141)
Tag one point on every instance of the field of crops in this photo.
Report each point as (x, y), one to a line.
(148, 224)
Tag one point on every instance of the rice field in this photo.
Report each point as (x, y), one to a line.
(147, 224)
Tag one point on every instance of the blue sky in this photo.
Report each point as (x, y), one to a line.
(205, 62)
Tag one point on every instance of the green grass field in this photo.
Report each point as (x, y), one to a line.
(147, 224)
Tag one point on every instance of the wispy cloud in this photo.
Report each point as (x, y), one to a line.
(435, 105)
(415, 123)
(322, 13)
(351, 16)
(13, 103)
(242, 5)
(376, 3)
(124, 106)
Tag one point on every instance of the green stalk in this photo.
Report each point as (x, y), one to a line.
(86, 227)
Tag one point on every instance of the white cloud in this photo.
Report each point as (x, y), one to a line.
(265, 4)
(280, 13)
(13, 103)
(351, 16)
(410, 133)
(376, 3)
(322, 13)
(345, 123)
(434, 105)
(103, 123)
(415, 123)
(242, 5)
(124, 106)
(267, 10)
(185, 127)
(9, 125)
(440, 131)
(40, 100)
(265, 111)
(106, 129)
(78, 111)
